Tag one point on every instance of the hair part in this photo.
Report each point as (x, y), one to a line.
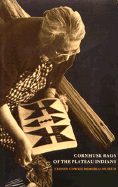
(61, 24)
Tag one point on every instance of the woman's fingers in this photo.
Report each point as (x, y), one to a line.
(27, 159)
(23, 159)
(66, 107)
(23, 151)
(31, 184)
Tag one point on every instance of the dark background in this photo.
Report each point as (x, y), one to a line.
(94, 76)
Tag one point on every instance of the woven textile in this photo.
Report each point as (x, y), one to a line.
(28, 84)
(15, 182)
(39, 171)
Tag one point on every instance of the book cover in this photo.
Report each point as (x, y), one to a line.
(94, 76)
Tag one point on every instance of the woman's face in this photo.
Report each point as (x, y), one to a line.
(61, 53)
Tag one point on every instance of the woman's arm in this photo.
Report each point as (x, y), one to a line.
(23, 145)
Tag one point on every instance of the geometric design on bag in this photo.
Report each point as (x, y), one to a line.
(46, 136)
(33, 124)
(47, 103)
(56, 119)
(47, 126)
(52, 110)
(36, 123)
(32, 106)
(38, 111)
(60, 137)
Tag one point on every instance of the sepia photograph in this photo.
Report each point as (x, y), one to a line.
(58, 93)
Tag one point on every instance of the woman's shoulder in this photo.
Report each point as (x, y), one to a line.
(29, 21)
(25, 20)
(20, 26)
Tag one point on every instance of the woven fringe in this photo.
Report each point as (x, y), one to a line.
(15, 182)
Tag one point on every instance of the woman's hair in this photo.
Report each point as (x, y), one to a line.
(61, 24)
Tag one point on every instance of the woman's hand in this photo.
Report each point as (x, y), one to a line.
(64, 99)
(23, 152)
(50, 93)
(31, 184)
(23, 145)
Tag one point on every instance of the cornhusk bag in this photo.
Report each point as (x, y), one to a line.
(47, 125)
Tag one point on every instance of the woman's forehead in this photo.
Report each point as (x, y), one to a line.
(70, 45)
